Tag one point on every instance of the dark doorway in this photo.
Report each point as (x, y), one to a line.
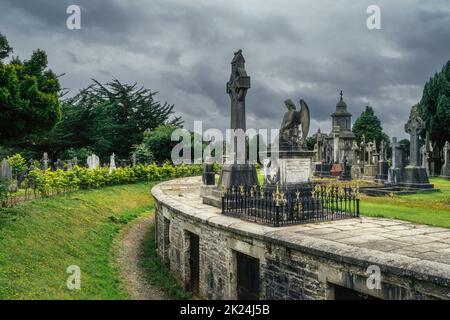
(342, 293)
(166, 241)
(247, 277)
(194, 255)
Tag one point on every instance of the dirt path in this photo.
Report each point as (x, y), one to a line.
(129, 254)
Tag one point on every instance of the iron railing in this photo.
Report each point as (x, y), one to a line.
(280, 208)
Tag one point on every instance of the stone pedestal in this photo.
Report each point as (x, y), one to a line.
(415, 177)
(356, 172)
(383, 169)
(370, 171)
(322, 170)
(238, 174)
(294, 167)
(208, 175)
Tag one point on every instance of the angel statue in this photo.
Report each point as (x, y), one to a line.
(292, 121)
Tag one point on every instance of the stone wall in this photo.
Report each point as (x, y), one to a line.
(292, 266)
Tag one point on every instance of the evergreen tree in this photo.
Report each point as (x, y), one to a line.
(29, 93)
(109, 118)
(434, 106)
(369, 125)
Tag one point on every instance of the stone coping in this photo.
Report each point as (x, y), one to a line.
(398, 247)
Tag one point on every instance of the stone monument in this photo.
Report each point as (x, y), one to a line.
(45, 161)
(6, 173)
(112, 163)
(293, 160)
(234, 173)
(446, 166)
(395, 172)
(383, 167)
(93, 161)
(415, 176)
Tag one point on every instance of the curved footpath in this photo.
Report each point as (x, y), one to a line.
(130, 253)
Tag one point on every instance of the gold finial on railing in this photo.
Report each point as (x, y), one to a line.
(241, 189)
(277, 196)
(253, 191)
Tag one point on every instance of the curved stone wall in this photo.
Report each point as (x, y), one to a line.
(220, 257)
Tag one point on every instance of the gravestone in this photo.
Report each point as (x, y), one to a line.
(370, 167)
(234, 173)
(293, 160)
(383, 167)
(45, 161)
(112, 163)
(5, 171)
(133, 159)
(346, 171)
(93, 161)
(208, 174)
(445, 172)
(75, 161)
(395, 173)
(415, 176)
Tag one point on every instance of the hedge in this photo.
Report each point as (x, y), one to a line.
(46, 183)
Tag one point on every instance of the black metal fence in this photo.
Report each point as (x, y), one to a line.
(278, 208)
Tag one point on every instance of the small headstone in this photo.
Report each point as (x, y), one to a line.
(93, 161)
(446, 166)
(5, 170)
(112, 163)
(45, 161)
(133, 159)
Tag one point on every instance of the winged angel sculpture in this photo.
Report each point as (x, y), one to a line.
(295, 126)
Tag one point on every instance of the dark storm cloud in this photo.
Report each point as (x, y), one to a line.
(294, 49)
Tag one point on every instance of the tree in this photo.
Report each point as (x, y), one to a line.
(29, 93)
(109, 118)
(434, 106)
(158, 143)
(369, 125)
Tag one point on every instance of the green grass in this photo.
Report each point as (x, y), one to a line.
(41, 238)
(432, 208)
(157, 272)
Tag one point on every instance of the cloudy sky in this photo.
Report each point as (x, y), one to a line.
(294, 49)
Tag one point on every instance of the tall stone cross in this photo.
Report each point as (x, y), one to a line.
(237, 89)
(414, 127)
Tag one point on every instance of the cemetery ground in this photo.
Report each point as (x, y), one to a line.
(39, 239)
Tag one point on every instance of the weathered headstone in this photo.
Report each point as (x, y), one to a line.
(45, 161)
(93, 161)
(414, 175)
(112, 163)
(133, 159)
(383, 167)
(446, 166)
(5, 171)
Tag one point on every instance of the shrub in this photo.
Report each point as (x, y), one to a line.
(49, 182)
(18, 163)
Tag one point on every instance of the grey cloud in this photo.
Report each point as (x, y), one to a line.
(294, 49)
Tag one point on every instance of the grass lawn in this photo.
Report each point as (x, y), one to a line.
(41, 238)
(431, 208)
